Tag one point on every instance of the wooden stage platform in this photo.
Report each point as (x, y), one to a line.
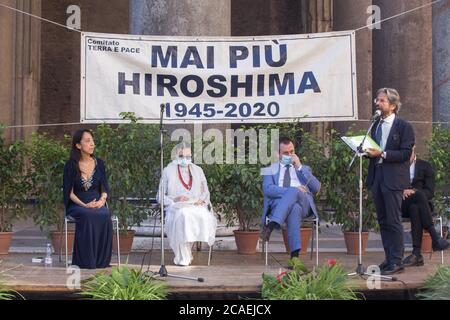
(229, 275)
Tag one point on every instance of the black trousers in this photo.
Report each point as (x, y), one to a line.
(389, 214)
(417, 209)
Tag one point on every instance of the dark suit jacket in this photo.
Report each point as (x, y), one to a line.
(398, 152)
(424, 178)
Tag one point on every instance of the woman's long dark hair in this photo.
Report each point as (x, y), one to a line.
(75, 153)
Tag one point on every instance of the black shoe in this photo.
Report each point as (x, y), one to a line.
(413, 261)
(265, 233)
(440, 245)
(383, 265)
(393, 269)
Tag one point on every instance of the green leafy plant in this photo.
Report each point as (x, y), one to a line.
(236, 191)
(124, 283)
(437, 287)
(327, 282)
(132, 159)
(5, 293)
(13, 183)
(439, 153)
(342, 187)
(47, 157)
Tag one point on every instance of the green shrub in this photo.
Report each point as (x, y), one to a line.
(327, 282)
(342, 187)
(439, 152)
(5, 294)
(437, 287)
(47, 156)
(14, 187)
(124, 284)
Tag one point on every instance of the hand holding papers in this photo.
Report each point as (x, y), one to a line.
(355, 142)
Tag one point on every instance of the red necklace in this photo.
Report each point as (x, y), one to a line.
(189, 185)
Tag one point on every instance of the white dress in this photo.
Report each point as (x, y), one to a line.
(185, 222)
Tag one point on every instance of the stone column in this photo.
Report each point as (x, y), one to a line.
(6, 65)
(20, 67)
(441, 62)
(351, 15)
(182, 18)
(320, 19)
(402, 59)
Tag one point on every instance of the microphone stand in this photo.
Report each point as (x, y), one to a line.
(162, 270)
(359, 152)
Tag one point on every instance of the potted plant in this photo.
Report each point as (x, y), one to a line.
(132, 157)
(124, 283)
(342, 194)
(439, 157)
(13, 189)
(327, 282)
(236, 191)
(47, 157)
(437, 286)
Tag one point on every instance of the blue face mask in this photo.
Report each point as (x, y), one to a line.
(184, 162)
(286, 160)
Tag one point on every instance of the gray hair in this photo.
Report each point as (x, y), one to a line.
(393, 97)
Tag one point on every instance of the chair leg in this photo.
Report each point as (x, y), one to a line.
(266, 251)
(442, 234)
(67, 250)
(61, 239)
(210, 254)
(317, 242)
(116, 220)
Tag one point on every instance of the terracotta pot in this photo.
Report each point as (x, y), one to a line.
(5, 242)
(306, 237)
(352, 242)
(55, 237)
(426, 242)
(246, 241)
(126, 241)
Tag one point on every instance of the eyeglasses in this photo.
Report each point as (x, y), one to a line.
(379, 100)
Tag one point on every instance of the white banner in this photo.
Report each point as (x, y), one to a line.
(219, 80)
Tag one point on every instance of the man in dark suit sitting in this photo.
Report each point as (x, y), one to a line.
(417, 207)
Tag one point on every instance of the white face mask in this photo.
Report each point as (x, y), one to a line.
(185, 161)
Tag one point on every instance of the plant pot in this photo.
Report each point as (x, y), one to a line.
(5, 242)
(426, 242)
(55, 237)
(306, 237)
(246, 241)
(352, 242)
(126, 241)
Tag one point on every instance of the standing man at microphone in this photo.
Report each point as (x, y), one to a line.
(388, 175)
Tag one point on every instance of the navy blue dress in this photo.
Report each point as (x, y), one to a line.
(93, 235)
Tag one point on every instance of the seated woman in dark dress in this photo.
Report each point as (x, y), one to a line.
(85, 192)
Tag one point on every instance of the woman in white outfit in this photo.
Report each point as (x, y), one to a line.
(186, 199)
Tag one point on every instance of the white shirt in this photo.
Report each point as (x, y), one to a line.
(386, 127)
(412, 170)
(292, 172)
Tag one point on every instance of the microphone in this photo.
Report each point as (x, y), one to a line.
(162, 106)
(376, 115)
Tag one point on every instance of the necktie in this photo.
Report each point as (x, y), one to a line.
(379, 133)
(287, 177)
